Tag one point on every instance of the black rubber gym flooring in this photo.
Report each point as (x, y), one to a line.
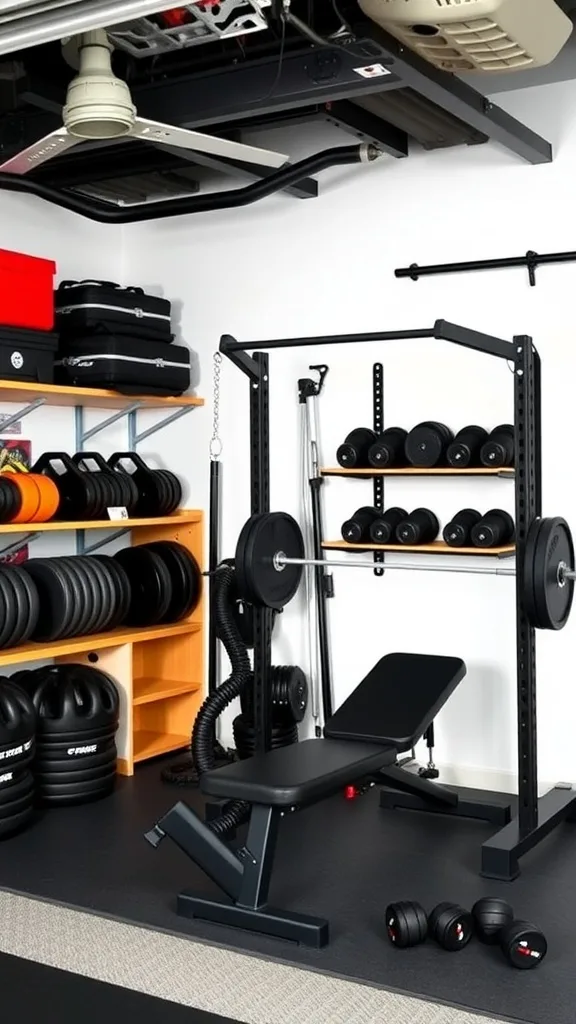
(33, 992)
(339, 859)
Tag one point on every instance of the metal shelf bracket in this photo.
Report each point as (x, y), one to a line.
(17, 545)
(25, 411)
(105, 540)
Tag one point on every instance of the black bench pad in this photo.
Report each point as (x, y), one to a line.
(299, 774)
(396, 702)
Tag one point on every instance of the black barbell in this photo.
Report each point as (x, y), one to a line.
(270, 560)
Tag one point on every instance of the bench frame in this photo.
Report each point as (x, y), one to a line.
(243, 874)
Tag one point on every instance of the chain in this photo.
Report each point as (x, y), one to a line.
(215, 441)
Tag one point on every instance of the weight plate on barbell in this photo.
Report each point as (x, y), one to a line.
(553, 595)
(263, 536)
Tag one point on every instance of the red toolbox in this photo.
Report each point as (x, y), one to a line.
(26, 291)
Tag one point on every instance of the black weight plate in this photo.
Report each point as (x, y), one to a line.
(554, 546)
(185, 576)
(8, 609)
(150, 584)
(21, 604)
(170, 496)
(165, 493)
(78, 604)
(175, 490)
(56, 598)
(529, 596)
(83, 565)
(129, 490)
(123, 587)
(177, 487)
(107, 595)
(33, 604)
(81, 762)
(262, 537)
(85, 602)
(10, 499)
(113, 596)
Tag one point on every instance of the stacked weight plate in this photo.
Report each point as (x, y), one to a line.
(78, 595)
(17, 732)
(27, 498)
(165, 582)
(19, 606)
(159, 490)
(289, 700)
(77, 711)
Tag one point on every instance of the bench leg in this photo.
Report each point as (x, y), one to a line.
(250, 909)
(411, 792)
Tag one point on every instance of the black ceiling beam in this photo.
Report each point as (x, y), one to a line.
(367, 126)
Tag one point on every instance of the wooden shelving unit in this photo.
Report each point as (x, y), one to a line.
(159, 670)
(437, 548)
(414, 471)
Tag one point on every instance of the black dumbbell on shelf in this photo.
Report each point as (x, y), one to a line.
(357, 528)
(457, 532)
(353, 453)
(420, 527)
(464, 451)
(498, 450)
(494, 529)
(388, 449)
(427, 443)
(383, 528)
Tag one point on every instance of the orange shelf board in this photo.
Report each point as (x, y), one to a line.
(151, 744)
(437, 548)
(414, 471)
(97, 398)
(77, 645)
(179, 518)
(148, 690)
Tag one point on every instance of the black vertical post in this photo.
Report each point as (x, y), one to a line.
(213, 559)
(260, 502)
(528, 481)
(378, 415)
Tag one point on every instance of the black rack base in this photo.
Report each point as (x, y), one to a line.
(501, 853)
(412, 793)
(281, 924)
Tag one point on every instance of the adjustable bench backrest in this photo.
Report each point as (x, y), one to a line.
(397, 701)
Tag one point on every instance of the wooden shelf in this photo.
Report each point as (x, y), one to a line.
(95, 398)
(178, 519)
(99, 641)
(414, 471)
(148, 690)
(151, 744)
(437, 548)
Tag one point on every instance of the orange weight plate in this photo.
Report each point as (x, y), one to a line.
(30, 495)
(49, 498)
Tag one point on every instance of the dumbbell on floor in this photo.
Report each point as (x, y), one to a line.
(383, 529)
(466, 446)
(420, 527)
(388, 449)
(493, 530)
(498, 450)
(357, 528)
(448, 924)
(457, 532)
(523, 944)
(353, 453)
(427, 443)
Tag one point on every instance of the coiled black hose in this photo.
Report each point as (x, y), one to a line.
(203, 732)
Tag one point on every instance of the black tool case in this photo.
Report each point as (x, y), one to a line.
(128, 365)
(102, 307)
(27, 355)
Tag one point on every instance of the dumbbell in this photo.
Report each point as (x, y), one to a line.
(457, 532)
(494, 529)
(466, 446)
(383, 528)
(357, 528)
(426, 444)
(388, 449)
(420, 527)
(498, 451)
(523, 945)
(353, 453)
(448, 924)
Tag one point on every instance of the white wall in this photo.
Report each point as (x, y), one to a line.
(288, 268)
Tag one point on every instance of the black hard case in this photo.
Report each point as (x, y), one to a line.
(123, 364)
(27, 355)
(102, 307)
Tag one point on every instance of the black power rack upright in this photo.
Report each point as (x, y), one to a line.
(535, 817)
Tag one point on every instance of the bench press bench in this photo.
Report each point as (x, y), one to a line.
(387, 714)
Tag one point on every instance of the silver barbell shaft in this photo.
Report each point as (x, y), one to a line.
(280, 560)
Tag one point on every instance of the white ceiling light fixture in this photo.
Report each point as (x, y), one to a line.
(99, 106)
(476, 35)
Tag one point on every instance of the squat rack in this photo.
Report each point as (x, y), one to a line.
(535, 817)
